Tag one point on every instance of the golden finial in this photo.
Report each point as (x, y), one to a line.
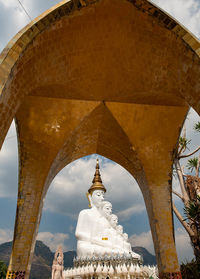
(97, 182)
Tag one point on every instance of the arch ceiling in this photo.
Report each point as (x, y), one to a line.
(112, 51)
(115, 52)
(76, 31)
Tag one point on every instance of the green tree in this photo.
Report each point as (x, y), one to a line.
(190, 191)
(3, 270)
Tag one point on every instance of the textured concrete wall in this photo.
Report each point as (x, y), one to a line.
(108, 77)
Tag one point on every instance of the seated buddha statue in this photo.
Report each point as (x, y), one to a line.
(119, 239)
(100, 238)
(127, 247)
(112, 232)
(126, 244)
(88, 219)
(97, 231)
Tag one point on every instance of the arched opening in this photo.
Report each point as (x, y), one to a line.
(66, 197)
(93, 133)
(73, 182)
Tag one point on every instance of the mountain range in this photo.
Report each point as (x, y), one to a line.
(43, 258)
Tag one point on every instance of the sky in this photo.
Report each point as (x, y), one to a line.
(60, 212)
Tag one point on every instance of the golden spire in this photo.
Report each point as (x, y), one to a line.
(97, 182)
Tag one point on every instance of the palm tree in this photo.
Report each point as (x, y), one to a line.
(190, 191)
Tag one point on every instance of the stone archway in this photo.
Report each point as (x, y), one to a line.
(108, 77)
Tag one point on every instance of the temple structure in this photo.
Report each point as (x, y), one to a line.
(103, 249)
(114, 78)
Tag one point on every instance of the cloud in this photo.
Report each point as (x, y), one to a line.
(144, 240)
(9, 4)
(53, 240)
(72, 229)
(186, 12)
(126, 213)
(183, 246)
(67, 194)
(9, 165)
(6, 235)
(13, 17)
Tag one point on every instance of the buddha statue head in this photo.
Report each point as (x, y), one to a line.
(106, 209)
(97, 190)
(113, 220)
(119, 229)
(96, 198)
(125, 236)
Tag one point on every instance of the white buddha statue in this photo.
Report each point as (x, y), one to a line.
(127, 247)
(111, 231)
(119, 239)
(100, 238)
(97, 230)
(113, 221)
(126, 244)
(106, 209)
(88, 220)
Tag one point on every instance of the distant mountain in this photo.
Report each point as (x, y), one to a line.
(42, 261)
(5, 251)
(43, 258)
(68, 258)
(148, 258)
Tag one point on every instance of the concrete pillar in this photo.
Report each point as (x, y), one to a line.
(29, 207)
(159, 207)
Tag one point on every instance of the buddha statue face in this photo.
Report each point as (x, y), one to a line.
(97, 198)
(106, 208)
(120, 229)
(125, 235)
(114, 220)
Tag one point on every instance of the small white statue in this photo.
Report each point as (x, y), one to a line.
(119, 239)
(111, 232)
(113, 221)
(106, 209)
(57, 267)
(127, 247)
(126, 244)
